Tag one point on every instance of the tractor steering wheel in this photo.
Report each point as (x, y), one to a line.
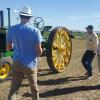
(39, 23)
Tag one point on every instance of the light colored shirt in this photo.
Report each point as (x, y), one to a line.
(24, 38)
(92, 42)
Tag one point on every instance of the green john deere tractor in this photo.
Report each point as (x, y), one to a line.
(57, 46)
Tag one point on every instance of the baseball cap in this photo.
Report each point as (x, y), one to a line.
(89, 27)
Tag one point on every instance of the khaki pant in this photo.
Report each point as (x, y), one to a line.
(18, 72)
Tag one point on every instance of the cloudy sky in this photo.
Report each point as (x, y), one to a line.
(74, 14)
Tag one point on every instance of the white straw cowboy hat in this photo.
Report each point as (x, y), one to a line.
(25, 11)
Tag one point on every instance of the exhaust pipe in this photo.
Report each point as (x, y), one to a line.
(1, 19)
(9, 22)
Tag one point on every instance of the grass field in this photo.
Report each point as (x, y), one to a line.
(72, 84)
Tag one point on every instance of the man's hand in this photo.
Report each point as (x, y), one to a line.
(9, 46)
(39, 49)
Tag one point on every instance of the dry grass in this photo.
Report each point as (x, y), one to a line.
(69, 85)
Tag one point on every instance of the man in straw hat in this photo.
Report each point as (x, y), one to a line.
(26, 42)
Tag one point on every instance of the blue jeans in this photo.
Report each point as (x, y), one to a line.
(87, 60)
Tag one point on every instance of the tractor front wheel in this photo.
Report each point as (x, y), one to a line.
(4, 70)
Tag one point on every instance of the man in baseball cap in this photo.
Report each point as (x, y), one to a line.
(91, 50)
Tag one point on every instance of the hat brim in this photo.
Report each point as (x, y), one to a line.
(29, 15)
(88, 28)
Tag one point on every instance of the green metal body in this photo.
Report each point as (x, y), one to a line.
(3, 52)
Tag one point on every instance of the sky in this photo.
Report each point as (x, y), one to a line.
(73, 14)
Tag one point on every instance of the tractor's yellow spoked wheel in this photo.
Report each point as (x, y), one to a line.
(4, 70)
(59, 49)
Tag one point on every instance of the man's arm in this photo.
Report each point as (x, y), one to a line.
(9, 45)
(96, 42)
(98, 49)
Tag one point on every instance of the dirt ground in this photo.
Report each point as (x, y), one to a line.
(72, 84)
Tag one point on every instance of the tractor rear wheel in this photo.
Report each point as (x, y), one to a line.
(59, 49)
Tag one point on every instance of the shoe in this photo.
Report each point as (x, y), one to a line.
(90, 77)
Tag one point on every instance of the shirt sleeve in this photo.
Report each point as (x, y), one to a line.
(38, 38)
(98, 49)
(9, 36)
